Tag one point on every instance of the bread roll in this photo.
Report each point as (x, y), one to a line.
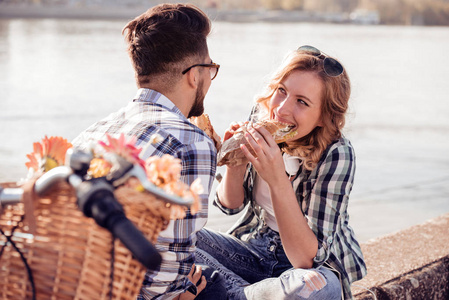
(203, 123)
(230, 153)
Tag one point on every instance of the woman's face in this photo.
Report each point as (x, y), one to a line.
(297, 102)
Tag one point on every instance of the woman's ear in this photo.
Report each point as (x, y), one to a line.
(320, 122)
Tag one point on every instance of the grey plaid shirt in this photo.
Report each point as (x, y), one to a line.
(323, 195)
(152, 113)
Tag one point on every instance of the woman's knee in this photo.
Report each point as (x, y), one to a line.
(311, 284)
(327, 287)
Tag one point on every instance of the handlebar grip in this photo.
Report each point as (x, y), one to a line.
(96, 200)
(135, 241)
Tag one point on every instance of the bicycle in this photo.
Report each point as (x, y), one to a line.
(64, 252)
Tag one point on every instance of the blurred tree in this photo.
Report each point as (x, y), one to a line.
(292, 4)
(433, 12)
(331, 5)
(410, 12)
(271, 4)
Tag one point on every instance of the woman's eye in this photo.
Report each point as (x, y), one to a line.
(303, 102)
(281, 90)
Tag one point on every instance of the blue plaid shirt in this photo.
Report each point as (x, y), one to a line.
(323, 195)
(152, 113)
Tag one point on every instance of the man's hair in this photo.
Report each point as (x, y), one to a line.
(335, 97)
(165, 39)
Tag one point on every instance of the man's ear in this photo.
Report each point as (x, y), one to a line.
(193, 77)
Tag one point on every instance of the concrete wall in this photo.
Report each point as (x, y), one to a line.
(409, 264)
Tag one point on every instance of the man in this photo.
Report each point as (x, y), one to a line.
(168, 49)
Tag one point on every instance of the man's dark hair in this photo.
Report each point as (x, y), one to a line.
(164, 37)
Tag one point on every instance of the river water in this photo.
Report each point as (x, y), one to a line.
(59, 76)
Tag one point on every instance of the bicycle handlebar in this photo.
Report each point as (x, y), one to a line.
(10, 196)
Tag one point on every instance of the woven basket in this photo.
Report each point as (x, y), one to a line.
(68, 253)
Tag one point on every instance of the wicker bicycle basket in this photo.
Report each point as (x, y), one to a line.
(69, 254)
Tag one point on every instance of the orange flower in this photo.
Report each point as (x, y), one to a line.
(48, 153)
(99, 167)
(163, 170)
(196, 188)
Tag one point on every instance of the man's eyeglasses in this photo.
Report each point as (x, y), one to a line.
(331, 66)
(213, 68)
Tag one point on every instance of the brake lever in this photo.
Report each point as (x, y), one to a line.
(128, 170)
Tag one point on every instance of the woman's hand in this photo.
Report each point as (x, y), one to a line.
(195, 277)
(267, 157)
(233, 127)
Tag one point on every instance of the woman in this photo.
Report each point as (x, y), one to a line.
(294, 242)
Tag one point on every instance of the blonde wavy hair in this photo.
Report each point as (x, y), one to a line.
(335, 97)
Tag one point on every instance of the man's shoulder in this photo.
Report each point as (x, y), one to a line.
(162, 131)
(176, 137)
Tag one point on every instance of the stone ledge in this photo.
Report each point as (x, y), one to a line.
(409, 264)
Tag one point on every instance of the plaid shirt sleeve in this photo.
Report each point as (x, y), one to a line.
(199, 161)
(177, 243)
(229, 211)
(329, 197)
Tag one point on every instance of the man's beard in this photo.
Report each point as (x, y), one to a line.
(198, 106)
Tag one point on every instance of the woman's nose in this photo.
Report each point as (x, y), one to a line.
(284, 107)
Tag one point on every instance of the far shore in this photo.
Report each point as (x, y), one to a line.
(128, 12)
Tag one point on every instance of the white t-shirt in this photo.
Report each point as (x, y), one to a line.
(263, 199)
(262, 191)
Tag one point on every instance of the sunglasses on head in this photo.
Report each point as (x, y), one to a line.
(331, 66)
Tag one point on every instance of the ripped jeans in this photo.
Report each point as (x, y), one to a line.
(259, 268)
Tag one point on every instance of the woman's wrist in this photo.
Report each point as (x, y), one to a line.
(279, 182)
(230, 190)
(235, 174)
(240, 169)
